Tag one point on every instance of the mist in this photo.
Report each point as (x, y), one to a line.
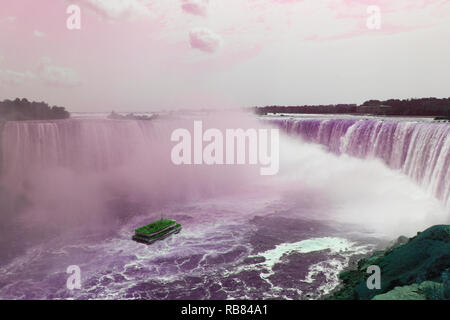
(94, 173)
(356, 191)
(77, 172)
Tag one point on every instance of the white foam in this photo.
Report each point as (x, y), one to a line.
(274, 256)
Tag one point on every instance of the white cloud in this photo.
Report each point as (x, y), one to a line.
(115, 9)
(8, 19)
(204, 40)
(56, 75)
(38, 34)
(14, 78)
(50, 74)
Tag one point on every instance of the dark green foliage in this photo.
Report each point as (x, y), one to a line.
(22, 109)
(393, 107)
(425, 257)
(440, 292)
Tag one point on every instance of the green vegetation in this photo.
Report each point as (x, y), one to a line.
(412, 292)
(156, 226)
(440, 291)
(414, 268)
(22, 109)
(427, 107)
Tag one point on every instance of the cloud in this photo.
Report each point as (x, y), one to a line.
(14, 78)
(50, 74)
(57, 76)
(204, 40)
(9, 19)
(38, 34)
(117, 9)
(195, 7)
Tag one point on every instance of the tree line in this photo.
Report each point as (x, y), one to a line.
(22, 109)
(429, 107)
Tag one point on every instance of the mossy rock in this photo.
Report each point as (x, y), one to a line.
(412, 292)
(424, 257)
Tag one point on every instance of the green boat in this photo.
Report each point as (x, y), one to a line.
(157, 230)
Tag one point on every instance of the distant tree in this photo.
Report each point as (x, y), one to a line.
(22, 109)
(395, 107)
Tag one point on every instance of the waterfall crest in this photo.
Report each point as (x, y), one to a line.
(420, 150)
(62, 165)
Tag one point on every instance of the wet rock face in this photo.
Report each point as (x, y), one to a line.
(425, 257)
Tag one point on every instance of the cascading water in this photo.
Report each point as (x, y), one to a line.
(244, 235)
(420, 150)
(61, 165)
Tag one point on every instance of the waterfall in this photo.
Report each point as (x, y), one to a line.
(76, 165)
(420, 150)
(84, 146)
(63, 164)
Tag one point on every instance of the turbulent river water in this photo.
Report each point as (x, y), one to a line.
(73, 191)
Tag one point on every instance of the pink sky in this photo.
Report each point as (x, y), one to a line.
(143, 55)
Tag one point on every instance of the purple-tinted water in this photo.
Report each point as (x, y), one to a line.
(226, 257)
(77, 189)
